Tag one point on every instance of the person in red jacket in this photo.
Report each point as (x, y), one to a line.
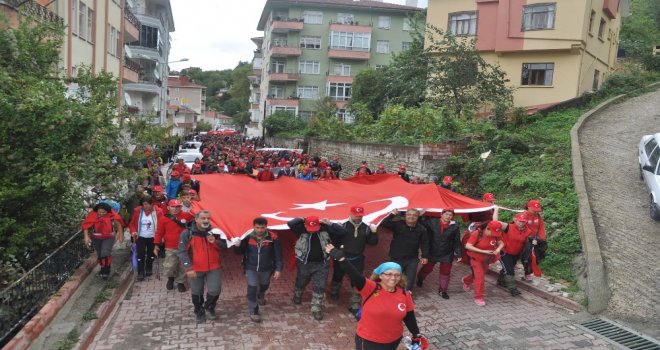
(536, 225)
(169, 229)
(483, 247)
(515, 235)
(101, 228)
(199, 252)
(158, 198)
(266, 174)
(144, 223)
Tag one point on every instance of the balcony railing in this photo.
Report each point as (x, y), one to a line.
(132, 64)
(32, 8)
(130, 17)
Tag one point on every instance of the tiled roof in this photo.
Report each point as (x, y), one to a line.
(345, 4)
(182, 81)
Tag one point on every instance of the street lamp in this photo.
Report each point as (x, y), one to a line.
(181, 60)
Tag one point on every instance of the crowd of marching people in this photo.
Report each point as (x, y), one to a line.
(161, 223)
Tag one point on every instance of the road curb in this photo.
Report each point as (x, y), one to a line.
(47, 313)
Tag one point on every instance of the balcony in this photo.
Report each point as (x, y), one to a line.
(144, 52)
(285, 51)
(145, 85)
(283, 76)
(34, 9)
(283, 101)
(131, 26)
(351, 27)
(287, 25)
(349, 54)
(131, 70)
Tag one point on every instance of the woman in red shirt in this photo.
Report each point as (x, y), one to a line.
(515, 236)
(385, 305)
(483, 246)
(101, 228)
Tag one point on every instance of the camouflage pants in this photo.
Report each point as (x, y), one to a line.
(172, 267)
(317, 272)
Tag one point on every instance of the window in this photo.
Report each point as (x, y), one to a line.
(594, 86)
(380, 66)
(345, 116)
(313, 17)
(601, 28)
(339, 91)
(305, 114)
(309, 67)
(82, 21)
(277, 66)
(112, 40)
(537, 74)
(277, 91)
(650, 146)
(90, 25)
(538, 17)
(384, 22)
(346, 18)
(310, 42)
(308, 92)
(74, 12)
(281, 15)
(291, 110)
(342, 69)
(591, 21)
(350, 41)
(406, 24)
(279, 41)
(464, 23)
(149, 37)
(405, 45)
(383, 46)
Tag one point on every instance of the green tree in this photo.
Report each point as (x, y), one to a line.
(241, 119)
(203, 125)
(240, 87)
(459, 78)
(407, 74)
(326, 108)
(368, 90)
(281, 122)
(640, 32)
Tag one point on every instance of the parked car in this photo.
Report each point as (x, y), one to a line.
(194, 145)
(649, 171)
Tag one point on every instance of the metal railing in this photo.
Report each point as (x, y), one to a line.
(23, 298)
(130, 17)
(32, 8)
(132, 64)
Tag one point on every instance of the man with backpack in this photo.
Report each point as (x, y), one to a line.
(262, 259)
(167, 234)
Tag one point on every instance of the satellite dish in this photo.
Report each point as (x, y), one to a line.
(127, 99)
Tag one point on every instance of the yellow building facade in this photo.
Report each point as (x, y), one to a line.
(551, 51)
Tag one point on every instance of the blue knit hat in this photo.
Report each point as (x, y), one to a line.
(387, 266)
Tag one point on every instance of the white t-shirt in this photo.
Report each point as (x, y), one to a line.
(147, 227)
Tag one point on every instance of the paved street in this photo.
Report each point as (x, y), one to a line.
(152, 318)
(620, 205)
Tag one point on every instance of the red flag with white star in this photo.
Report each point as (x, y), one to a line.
(235, 200)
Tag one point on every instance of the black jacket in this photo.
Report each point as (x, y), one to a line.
(406, 241)
(353, 245)
(261, 256)
(443, 245)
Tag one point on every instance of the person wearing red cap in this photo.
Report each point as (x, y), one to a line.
(445, 246)
(312, 260)
(335, 165)
(186, 179)
(515, 236)
(101, 228)
(447, 183)
(179, 166)
(143, 226)
(402, 173)
(306, 174)
(287, 170)
(381, 170)
(199, 253)
(327, 174)
(265, 174)
(364, 168)
(483, 246)
(158, 198)
(536, 225)
(356, 235)
(167, 235)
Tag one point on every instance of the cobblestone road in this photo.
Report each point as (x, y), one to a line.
(152, 318)
(620, 203)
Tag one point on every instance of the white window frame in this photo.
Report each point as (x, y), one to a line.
(350, 41)
(384, 22)
(90, 25)
(74, 12)
(305, 114)
(112, 40)
(406, 24)
(346, 116)
(274, 109)
(463, 23)
(309, 67)
(277, 91)
(383, 46)
(539, 16)
(312, 17)
(82, 20)
(308, 92)
(310, 42)
(342, 91)
(345, 18)
(278, 66)
(342, 69)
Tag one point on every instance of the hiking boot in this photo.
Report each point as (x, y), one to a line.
(181, 287)
(200, 316)
(255, 318)
(297, 297)
(261, 301)
(514, 292)
(318, 315)
(170, 283)
(420, 282)
(209, 306)
(480, 302)
(140, 276)
(444, 295)
(211, 315)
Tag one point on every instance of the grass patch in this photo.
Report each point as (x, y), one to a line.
(69, 342)
(102, 296)
(89, 315)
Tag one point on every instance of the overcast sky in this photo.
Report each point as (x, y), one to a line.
(215, 34)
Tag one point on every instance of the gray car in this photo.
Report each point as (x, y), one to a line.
(649, 171)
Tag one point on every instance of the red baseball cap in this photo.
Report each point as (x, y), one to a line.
(495, 227)
(175, 174)
(312, 224)
(522, 217)
(158, 188)
(357, 210)
(174, 203)
(402, 167)
(186, 170)
(381, 167)
(447, 179)
(534, 205)
(186, 177)
(191, 191)
(488, 197)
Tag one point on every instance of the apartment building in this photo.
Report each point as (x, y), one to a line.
(552, 51)
(186, 103)
(312, 49)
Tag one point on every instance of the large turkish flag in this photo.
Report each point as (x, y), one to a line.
(235, 200)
